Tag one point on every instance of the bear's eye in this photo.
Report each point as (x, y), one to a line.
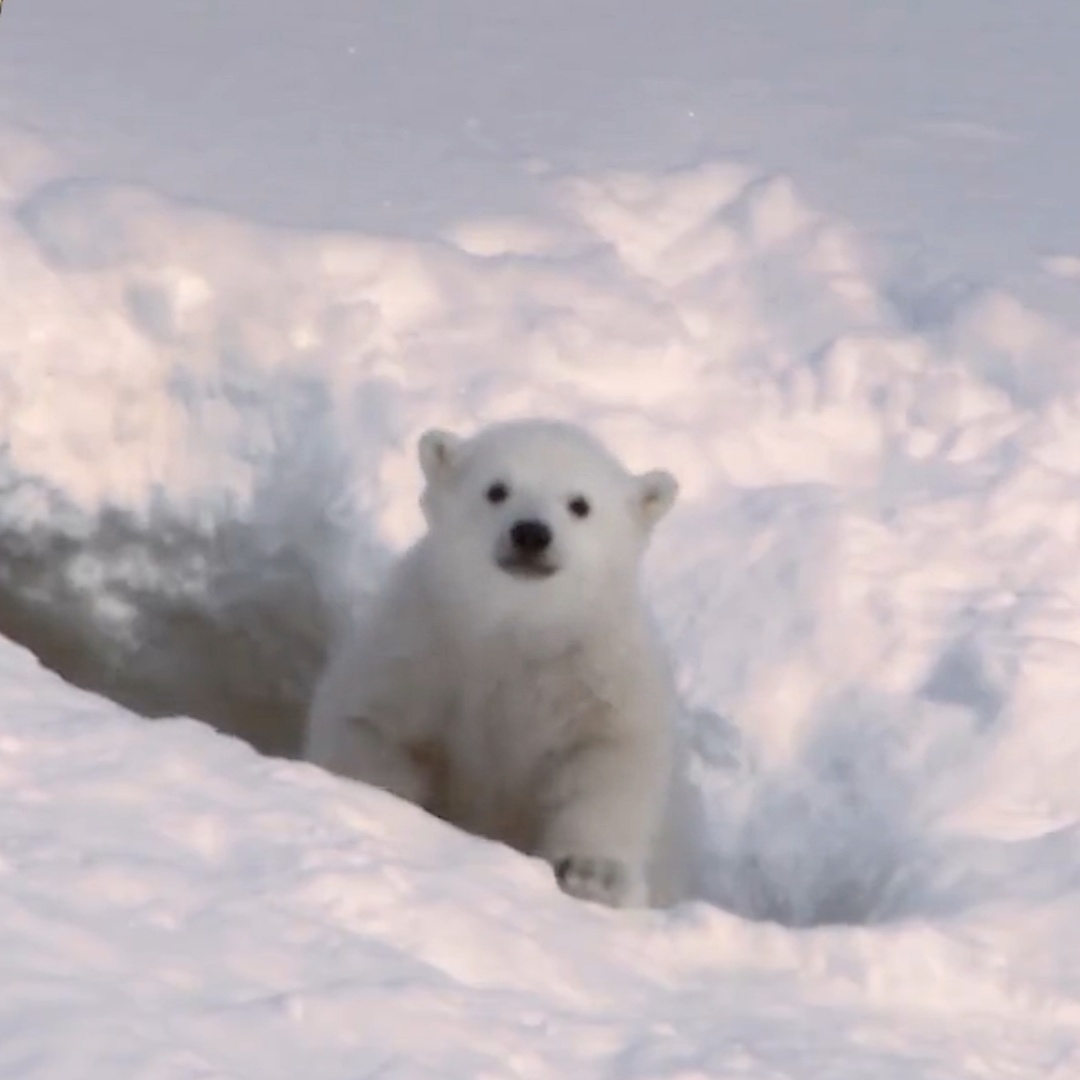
(579, 506)
(498, 492)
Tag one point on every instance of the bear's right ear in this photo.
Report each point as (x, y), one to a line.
(439, 452)
(656, 492)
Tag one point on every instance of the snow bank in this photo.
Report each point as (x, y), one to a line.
(870, 586)
(173, 907)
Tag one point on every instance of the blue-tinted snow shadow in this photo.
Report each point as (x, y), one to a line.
(850, 830)
(221, 613)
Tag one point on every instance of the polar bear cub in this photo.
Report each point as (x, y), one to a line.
(507, 678)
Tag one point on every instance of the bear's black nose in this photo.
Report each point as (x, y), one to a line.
(530, 537)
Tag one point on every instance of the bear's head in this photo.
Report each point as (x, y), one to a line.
(538, 510)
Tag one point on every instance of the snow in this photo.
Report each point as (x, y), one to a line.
(820, 261)
(174, 905)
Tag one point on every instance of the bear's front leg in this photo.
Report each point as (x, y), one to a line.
(601, 816)
(362, 750)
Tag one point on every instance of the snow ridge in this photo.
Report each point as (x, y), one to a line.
(870, 588)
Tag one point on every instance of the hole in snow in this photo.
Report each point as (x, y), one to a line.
(229, 624)
(843, 832)
(167, 619)
(170, 620)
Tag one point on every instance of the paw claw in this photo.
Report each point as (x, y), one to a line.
(595, 878)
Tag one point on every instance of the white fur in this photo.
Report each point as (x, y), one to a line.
(537, 711)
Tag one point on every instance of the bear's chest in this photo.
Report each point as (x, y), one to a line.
(516, 720)
(524, 704)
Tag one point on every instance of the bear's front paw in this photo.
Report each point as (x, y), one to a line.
(599, 879)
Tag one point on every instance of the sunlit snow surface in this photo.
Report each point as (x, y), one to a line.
(870, 586)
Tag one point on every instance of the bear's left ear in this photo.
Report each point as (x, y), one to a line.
(656, 492)
(439, 452)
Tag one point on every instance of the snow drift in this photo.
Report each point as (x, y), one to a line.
(869, 587)
(870, 584)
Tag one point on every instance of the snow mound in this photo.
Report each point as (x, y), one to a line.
(237, 405)
(870, 586)
(173, 905)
